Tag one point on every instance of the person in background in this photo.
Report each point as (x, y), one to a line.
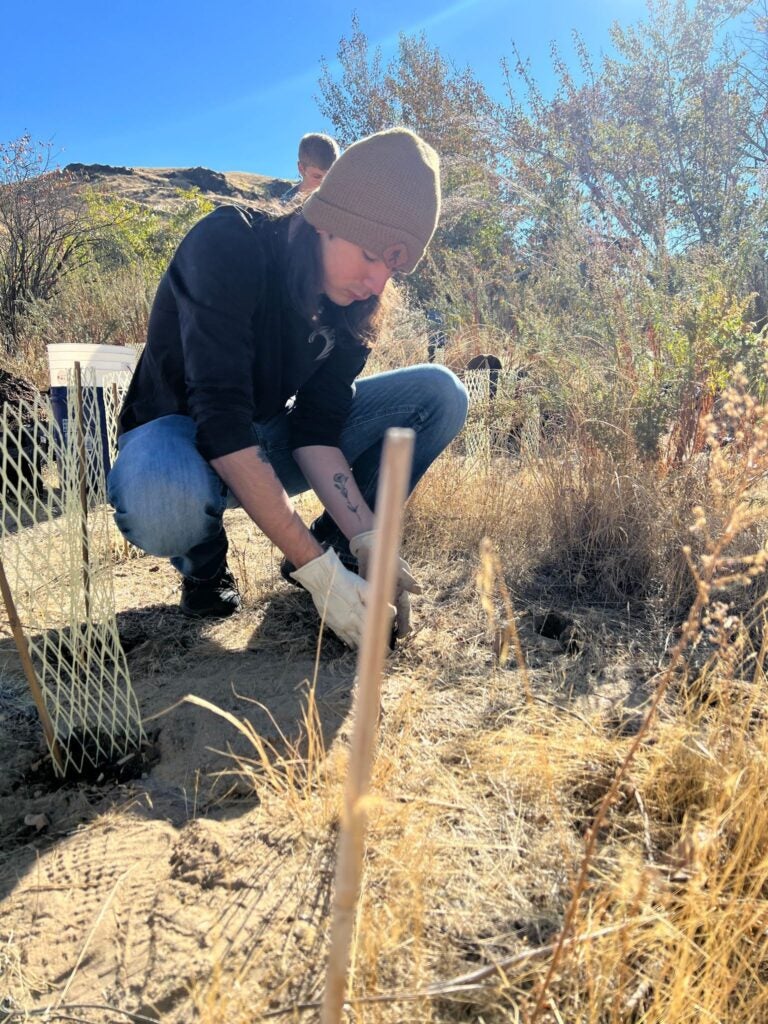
(247, 393)
(317, 152)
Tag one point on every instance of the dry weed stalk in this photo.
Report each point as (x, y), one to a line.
(66, 1013)
(490, 579)
(293, 773)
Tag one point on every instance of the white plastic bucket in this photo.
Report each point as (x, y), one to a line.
(101, 361)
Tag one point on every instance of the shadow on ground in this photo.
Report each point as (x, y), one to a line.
(257, 666)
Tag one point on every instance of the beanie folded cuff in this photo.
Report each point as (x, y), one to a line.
(370, 235)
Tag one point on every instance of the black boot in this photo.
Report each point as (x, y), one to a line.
(210, 599)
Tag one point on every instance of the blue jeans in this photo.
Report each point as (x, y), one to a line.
(169, 501)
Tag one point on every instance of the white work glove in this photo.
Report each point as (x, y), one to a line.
(361, 547)
(339, 595)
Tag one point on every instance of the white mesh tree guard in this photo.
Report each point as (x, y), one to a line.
(115, 389)
(504, 414)
(56, 550)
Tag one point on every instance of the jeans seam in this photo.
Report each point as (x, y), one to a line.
(415, 411)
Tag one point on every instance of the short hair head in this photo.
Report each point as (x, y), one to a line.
(318, 150)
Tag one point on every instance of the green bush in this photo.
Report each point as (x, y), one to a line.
(128, 232)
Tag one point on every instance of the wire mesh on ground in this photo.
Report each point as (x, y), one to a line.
(56, 548)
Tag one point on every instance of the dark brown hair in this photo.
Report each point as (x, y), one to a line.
(318, 150)
(304, 281)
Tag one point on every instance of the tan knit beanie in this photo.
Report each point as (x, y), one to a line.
(383, 194)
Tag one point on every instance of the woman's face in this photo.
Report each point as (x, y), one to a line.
(350, 274)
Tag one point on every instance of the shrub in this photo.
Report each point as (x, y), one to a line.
(92, 306)
(129, 233)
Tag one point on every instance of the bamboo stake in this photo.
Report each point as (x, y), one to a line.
(393, 491)
(29, 671)
(82, 472)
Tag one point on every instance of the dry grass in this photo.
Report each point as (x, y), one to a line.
(475, 846)
(92, 306)
(527, 860)
(30, 362)
(497, 817)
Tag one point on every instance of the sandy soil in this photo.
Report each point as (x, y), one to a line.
(151, 895)
(115, 862)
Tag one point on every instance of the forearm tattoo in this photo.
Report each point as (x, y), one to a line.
(340, 483)
(262, 454)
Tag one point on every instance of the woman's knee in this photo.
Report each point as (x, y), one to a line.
(445, 397)
(161, 508)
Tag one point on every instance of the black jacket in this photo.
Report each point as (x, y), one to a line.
(225, 347)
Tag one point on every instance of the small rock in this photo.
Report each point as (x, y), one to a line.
(37, 821)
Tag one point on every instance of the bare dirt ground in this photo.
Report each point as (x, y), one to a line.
(200, 890)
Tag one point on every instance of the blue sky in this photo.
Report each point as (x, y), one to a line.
(233, 86)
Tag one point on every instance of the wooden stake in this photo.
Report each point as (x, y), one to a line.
(393, 491)
(29, 671)
(82, 472)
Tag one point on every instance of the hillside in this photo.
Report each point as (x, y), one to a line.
(160, 186)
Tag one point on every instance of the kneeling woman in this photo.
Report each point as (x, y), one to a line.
(246, 391)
